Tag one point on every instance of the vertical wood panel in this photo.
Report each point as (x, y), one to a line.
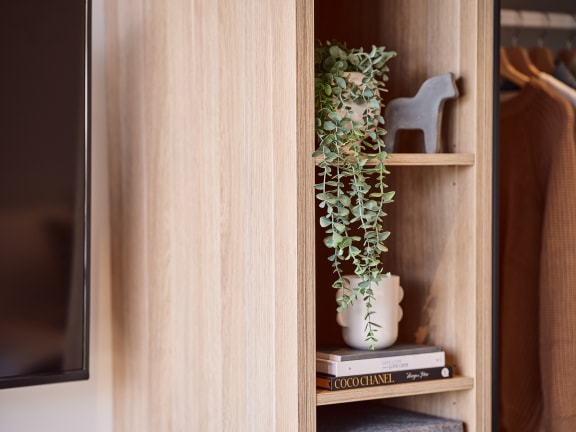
(306, 204)
(285, 203)
(233, 267)
(484, 185)
(207, 182)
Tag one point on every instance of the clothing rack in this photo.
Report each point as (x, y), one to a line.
(537, 19)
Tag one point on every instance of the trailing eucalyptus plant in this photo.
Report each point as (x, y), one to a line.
(351, 154)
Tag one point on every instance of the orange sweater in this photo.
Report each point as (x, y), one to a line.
(537, 262)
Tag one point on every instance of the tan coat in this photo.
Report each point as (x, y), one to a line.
(537, 262)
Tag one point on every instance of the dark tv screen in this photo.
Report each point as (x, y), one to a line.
(44, 191)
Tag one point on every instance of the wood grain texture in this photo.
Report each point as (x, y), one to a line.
(306, 204)
(208, 186)
(484, 127)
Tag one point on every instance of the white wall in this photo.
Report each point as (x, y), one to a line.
(83, 406)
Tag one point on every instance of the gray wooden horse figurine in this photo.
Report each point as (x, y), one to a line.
(423, 111)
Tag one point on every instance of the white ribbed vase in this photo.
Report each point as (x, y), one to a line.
(387, 313)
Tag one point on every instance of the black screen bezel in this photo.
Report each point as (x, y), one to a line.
(83, 372)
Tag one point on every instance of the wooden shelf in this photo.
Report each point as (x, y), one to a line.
(432, 159)
(326, 397)
(426, 159)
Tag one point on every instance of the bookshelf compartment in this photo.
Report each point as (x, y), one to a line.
(440, 220)
(458, 383)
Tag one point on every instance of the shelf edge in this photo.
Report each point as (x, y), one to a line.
(425, 159)
(434, 159)
(458, 383)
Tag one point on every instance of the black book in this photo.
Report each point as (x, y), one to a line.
(333, 383)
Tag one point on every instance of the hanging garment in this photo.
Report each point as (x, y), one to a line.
(542, 58)
(519, 59)
(537, 262)
(563, 74)
(568, 57)
(510, 77)
(558, 86)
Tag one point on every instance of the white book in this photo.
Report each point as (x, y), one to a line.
(381, 364)
(341, 353)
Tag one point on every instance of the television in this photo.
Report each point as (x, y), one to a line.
(44, 191)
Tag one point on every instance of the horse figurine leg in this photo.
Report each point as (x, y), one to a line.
(390, 139)
(431, 139)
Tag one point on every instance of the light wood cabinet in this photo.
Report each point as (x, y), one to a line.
(441, 219)
(220, 294)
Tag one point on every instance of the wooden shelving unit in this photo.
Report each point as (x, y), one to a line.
(224, 258)
(440, 220)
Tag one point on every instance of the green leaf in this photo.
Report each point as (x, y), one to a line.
(340, 82)
(381, 247)
(388, 196)
(346, 243)
(328, 125)
(339, 227)
(336, 238)
(340, 64)
(328, 197)
(345, 200)
(334, 51)
(384, 235)
(335, 117)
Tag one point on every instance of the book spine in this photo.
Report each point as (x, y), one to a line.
(383, 364)
(384, 378)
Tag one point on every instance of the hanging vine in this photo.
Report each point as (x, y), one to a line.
(352, 189)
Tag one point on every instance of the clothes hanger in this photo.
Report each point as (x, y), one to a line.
(541, 56)
(508, 71)
(568, 54)
(519, 58)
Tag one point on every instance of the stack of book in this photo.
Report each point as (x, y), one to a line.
(347, 368)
